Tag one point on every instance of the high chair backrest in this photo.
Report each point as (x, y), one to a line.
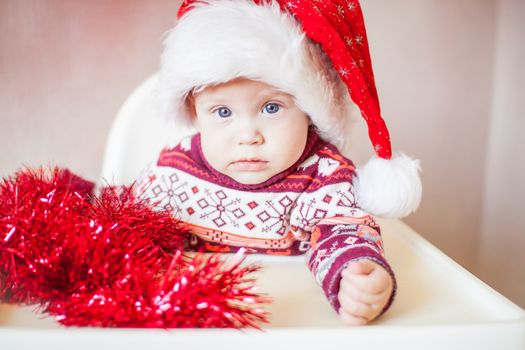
(137, 136)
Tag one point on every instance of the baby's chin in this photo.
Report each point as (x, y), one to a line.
(250, 177)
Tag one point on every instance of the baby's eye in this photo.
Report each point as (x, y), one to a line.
(224, 112)
(272, 108)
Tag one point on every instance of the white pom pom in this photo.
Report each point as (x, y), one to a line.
(389, 188)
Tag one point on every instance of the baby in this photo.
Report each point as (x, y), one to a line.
(262, 170)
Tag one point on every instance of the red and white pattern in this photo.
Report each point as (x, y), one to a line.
(310, 208)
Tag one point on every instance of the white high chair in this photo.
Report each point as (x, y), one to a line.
(137, 136)
(439, 305)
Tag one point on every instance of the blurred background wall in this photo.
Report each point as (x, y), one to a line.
(450, 76)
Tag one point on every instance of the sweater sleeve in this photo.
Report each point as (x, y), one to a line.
(335, 242)
(340, 232)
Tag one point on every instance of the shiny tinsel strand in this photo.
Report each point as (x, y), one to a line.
(111, 260)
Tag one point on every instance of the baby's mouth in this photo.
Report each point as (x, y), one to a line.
(249, 164)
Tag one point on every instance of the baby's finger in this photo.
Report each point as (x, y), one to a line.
(347, 288)
(351, 320)
(371, 284)
(361, 267)
(354, 307)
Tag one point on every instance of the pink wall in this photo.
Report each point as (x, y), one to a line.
(501, 258)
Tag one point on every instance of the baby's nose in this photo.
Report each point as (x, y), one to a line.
(250, 135)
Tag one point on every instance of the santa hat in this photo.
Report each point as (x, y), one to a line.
(315, 50)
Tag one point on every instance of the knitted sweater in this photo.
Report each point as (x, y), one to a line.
(310, 208)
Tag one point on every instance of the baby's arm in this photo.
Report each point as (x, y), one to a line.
(364, 291)
(347, 260)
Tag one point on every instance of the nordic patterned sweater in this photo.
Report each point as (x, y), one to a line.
(309, 209)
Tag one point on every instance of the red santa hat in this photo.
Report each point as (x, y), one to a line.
(315, 50)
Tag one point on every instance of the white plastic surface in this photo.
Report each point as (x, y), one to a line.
(439, 305)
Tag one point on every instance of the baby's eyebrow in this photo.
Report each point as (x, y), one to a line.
(274, 93)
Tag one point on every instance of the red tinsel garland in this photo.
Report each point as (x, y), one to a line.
(111, 261)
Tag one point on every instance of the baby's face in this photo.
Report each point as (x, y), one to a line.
(250, 131)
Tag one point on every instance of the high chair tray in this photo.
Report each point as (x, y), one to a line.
(439, 305)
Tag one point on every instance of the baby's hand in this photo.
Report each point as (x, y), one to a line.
(365, 289)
